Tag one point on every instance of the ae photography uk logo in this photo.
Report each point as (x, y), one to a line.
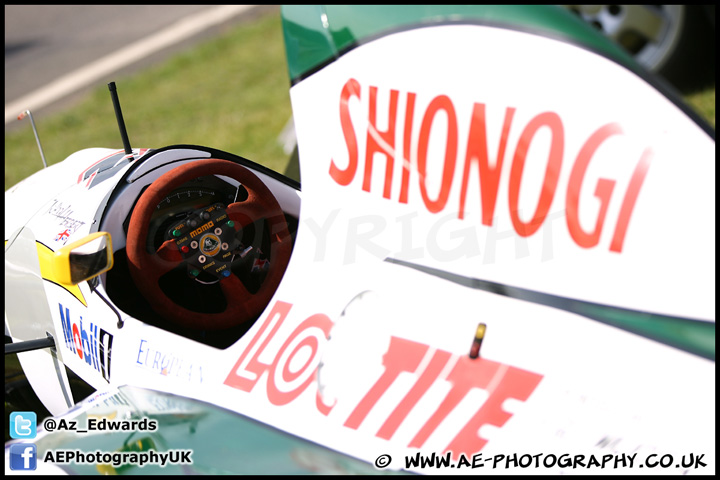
(551, 462)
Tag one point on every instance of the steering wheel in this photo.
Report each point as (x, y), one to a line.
(203, 241)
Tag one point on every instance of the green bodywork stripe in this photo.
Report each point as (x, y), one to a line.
(690, 335)
(318, 34)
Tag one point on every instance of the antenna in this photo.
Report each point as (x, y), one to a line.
(119, 116)
(27, 113)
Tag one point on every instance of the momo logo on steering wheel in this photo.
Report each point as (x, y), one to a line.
(202, 229)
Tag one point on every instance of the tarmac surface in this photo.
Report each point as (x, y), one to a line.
(55, 53)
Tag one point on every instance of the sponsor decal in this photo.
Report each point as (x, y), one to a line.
(488, 178)
(88, 341)
(286, 380)
(63, 236)
(168, 364)
(259, 265)
(462, 374)
(64, 214)
(201, 229)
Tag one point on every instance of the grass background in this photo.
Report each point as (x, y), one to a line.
(229, 93)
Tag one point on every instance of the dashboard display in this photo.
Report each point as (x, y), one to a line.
(198, 193)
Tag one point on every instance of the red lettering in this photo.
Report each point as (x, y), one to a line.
(283, 384)
(552, 171)
(407, 137)
(438, 103)
(252, 367)
(489, 172)
(499, 380)
(428, 376)
(603, 189)
(506, 382)
(381, 141)
(402, 356)
(344, 177)
(463, 379)
(280, 373)
(477, 151)
(631, 194)
(78, 340)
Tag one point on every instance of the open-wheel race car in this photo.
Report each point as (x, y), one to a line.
(484, 269)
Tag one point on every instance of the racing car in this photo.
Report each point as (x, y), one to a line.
(481, 262)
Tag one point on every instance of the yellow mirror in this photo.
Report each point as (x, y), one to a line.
(84, 259)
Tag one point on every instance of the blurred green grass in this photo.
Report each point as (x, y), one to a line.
(703, 102)
(230, 93)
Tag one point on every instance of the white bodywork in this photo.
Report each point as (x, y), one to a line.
(368, 355)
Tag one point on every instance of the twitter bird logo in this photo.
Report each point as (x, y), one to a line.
(23, 424)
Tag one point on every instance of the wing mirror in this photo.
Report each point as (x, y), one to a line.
(85, 259)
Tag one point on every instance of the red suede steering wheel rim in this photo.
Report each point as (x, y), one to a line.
(146, 269)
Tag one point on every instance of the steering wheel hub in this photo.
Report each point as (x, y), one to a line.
(207, 240)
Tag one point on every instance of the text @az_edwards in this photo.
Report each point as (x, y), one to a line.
(101, 425)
